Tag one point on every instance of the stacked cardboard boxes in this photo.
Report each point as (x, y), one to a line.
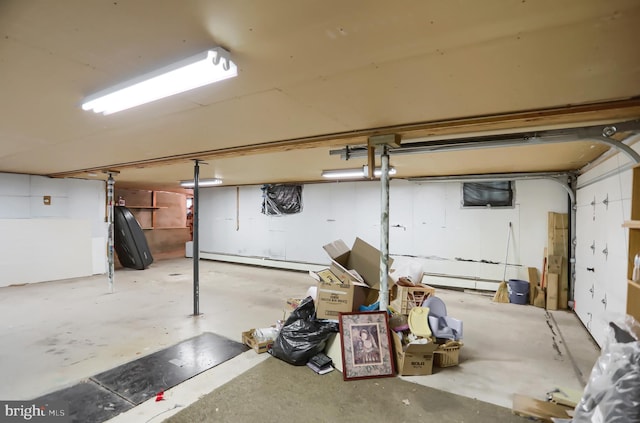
(557, 280)
(352, 280)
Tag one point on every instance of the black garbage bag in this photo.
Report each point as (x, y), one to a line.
(302, 335)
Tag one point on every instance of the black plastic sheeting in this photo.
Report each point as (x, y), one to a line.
(281, 199)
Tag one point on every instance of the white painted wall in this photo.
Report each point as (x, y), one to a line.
(41, 242)
(426, 220)
(601, 294)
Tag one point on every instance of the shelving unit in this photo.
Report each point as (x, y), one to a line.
(632, 224)
(633, 288)
(161, 215)
(147, 204)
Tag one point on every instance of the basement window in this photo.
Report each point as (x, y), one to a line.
(487, 194)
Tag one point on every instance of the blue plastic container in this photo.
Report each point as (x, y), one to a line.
(518, 291)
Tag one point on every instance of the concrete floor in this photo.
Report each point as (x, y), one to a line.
(57, 333)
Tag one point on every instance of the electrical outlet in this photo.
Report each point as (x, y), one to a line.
(46, 200)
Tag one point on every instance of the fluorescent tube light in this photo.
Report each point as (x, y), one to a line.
(357, 173)
(343, 173)
(201, 183)
(377, 171)
(196, 71)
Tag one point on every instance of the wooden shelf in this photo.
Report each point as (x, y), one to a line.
(145, 207)
(633, 288)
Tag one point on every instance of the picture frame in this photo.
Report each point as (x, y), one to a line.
(366, 345)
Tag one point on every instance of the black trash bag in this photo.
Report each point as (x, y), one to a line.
(302, 335)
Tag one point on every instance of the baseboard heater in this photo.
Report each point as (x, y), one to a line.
(459, 281)
(434, 279)
(264, 262)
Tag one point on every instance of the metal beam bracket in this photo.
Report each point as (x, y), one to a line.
(392, 140)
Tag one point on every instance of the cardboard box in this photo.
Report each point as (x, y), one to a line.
(362, 258)
(633, 299)
(413, 359)
(251, 342)
(552, 291)
(335, 296)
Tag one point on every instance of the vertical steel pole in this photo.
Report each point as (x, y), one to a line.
(384, 229)
(111, 231)
(196, 236)
(572, 240)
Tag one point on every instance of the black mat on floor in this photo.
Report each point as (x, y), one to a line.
(143, 378)
(88, 402)
(110, 393)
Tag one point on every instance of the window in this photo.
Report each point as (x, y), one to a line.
(487, 194)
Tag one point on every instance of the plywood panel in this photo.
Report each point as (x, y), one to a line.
(172, 212)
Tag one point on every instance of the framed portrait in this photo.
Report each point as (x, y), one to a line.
(366, 345)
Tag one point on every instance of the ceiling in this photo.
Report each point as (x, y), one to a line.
(313, 76)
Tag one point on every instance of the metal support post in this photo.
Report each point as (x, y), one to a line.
(384, 228)
(573, 207)
(110, 232)
(196, 236)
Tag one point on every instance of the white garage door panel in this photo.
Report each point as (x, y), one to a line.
(600, 293)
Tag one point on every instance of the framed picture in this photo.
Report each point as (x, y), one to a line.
(366, 345)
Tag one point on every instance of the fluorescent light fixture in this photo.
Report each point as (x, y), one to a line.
(357, 173)
(201, 183)
(196, 71)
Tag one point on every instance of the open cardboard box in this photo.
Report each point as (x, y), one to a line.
(251, 342)
(362, 257)
(352, 280)
(335, 296)
(413, 359)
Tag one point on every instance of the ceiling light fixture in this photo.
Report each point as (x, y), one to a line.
(196, 71)
(201, 183)
(357, 173)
